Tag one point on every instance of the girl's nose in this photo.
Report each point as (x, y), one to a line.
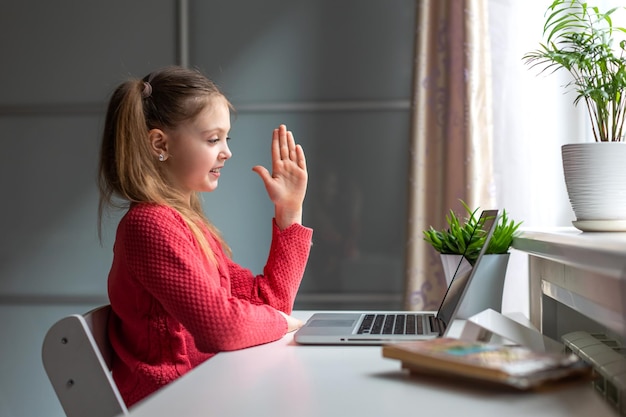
(226, 153)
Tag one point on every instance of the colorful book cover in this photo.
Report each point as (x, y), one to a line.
(517, 366)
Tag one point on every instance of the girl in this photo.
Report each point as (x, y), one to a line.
(176, 295)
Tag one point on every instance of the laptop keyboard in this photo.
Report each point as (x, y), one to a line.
(398, 323)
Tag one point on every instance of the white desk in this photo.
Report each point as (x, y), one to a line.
(282, 379)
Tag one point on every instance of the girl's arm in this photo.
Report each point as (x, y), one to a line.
(279, 283)
(160, 251)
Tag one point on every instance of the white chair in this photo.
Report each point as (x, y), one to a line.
(77, 355)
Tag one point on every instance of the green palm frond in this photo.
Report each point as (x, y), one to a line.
(579, 38)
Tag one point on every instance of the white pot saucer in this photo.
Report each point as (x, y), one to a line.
(600, 225)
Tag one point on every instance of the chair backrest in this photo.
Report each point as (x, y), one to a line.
(77, 356)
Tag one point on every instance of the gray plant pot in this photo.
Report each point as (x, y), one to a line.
(485, 290)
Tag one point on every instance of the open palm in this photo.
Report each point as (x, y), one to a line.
(287, 183)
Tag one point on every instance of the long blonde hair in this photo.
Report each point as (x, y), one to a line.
(128, 171)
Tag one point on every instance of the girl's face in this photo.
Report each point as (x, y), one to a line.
(198, 148)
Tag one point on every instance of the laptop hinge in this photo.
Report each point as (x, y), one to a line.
(437, 325)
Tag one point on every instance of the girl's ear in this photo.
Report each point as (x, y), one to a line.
(158, 143)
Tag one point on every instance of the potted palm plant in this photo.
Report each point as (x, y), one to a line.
(584, 41)
(459, 245)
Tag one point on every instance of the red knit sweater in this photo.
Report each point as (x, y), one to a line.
(173, 309)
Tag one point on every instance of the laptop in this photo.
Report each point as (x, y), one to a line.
(378, 327)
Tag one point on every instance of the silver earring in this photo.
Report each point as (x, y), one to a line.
(161, 157)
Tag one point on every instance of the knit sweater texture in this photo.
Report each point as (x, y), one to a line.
(173, 309)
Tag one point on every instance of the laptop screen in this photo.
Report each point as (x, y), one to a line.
(457, 288)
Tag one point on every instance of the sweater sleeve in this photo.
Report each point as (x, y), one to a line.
(278, 286)
(165, 259)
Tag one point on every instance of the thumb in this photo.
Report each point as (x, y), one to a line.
(263, 173)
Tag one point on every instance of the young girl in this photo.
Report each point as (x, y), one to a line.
(176, 295)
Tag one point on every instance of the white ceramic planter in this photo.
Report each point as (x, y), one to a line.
(595, 177)
(485, 290)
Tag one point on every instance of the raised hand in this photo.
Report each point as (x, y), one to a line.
(286, 185)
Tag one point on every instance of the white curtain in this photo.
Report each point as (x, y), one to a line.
(533, 117)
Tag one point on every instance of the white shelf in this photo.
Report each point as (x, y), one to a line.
(604, 253)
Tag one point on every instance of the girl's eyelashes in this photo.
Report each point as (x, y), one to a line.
(216, 140)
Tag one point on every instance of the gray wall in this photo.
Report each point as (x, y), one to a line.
(337, 72)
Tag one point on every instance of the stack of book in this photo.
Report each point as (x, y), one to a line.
(510, 365)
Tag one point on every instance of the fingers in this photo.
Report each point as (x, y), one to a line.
(284, 148)
(283, 140)
(300, 158)
(276, 146)
(292, 322)
(291, 146)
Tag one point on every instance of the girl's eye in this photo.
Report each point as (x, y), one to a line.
(216, 140)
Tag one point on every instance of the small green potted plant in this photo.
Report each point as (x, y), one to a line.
(459, 246)
(583, 41)
(465, 236)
